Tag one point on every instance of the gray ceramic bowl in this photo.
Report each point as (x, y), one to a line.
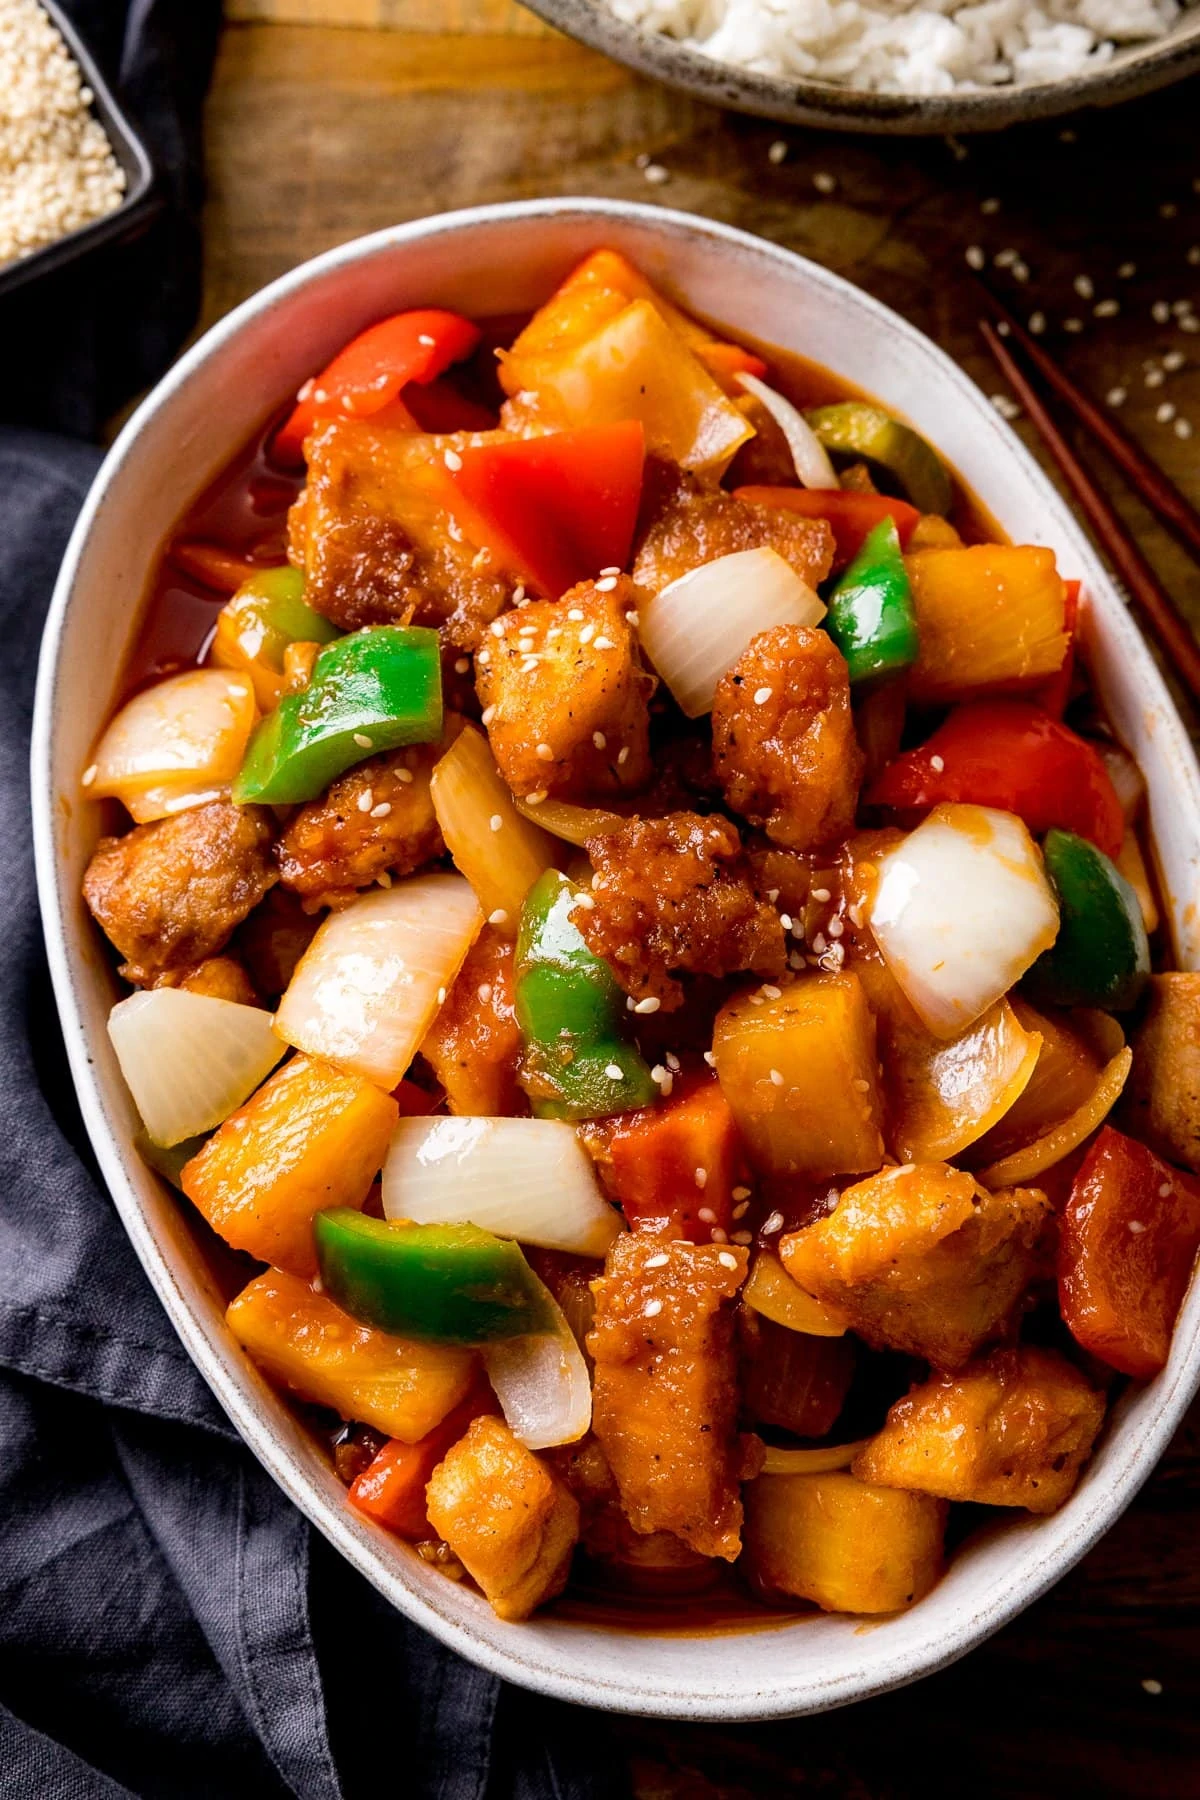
(1132, 71)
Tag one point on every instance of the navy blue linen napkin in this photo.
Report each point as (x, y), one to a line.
(167, 1626)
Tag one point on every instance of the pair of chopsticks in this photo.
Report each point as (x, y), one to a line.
(1145, 477)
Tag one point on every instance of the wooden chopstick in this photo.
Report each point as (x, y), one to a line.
(1171, 629)
(1145, 477)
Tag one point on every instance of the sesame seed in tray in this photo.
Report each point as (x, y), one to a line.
(57, 168)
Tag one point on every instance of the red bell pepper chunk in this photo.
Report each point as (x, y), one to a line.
(852, 517)
(1127, 1243)
(416, 1102)
(656, 1152)
(1053, 697)
(1009, 754)
(369, 373)
(557, 509)
(391, 1489)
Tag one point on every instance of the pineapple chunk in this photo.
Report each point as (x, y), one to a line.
(988, 615)
(846, 1545)
(922, 1259)
(312, 1137)
(302, 1341)
(1012, 1430)
(508, 1519)
(565, 697)
(1162, 1102)
(800, 1076)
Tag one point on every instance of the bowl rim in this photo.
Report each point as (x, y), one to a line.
(802, 100)
(1060, 1540)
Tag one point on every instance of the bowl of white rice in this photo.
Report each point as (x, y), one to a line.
(917, 66)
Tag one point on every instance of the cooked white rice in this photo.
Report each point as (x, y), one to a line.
(896, 46)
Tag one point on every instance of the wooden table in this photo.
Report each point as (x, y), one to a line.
(318, 132)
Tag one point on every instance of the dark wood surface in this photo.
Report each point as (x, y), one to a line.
(318, 133)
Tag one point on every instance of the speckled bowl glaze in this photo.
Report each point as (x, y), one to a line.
(1137, 69)
(211, 402)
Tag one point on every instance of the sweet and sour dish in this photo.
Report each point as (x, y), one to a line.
(640, 941)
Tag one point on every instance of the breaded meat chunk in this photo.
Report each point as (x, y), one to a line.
(783, 737)
(564, 695)
(219, 978)
(170, 894)
(922, 1259)
(509, 1520)
(377, 819)
(1012, 1430)
(675, 895)
(474, 1043)
(664, 1401)
(686, 525)
(376, 541)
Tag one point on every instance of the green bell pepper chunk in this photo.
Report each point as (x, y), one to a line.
(377, 689)
(871, 617)
(858, 428)
(169, 1159)
(273, 599)
(440, 1284)
(1101, 956)
(571, 1013)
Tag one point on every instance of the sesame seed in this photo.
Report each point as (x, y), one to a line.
(655, 174)
(777, 152)
(1152, 1687)
(652, 1308)
(537, 796)
(586, 901)
(545, 753)
(740, 1211)
(404, 776)
(701, 1178)
(366, 801)
(1165, 413)
(483, 658)
(612, 569)
(1183, 428)
(1191, 323)
(772, 1224)
(623, 755)
(1136, 1227)
(776, 1078)
(719, 1235)
(1037, 323)
(496, 822)
(614, 1071)
(1107, 309)
(1004, 259)
(662, 1079)
(602, 643)
(487, 715)
(519, 594)
(710, 1059)
(1084, 286)
(599, 740)
(707, 1216)
(384, 878)
(1167, 210)
(937, 764)
(854, 913)
(1006, 407)
(1160, 312)
(1173, 360)
(836, 928)
(818, 943)
(1154, 378)
(761, 696)
(527, 631)
(1020, 271)
(989, 206)
(1073, 325)
(462, 665)
(727, 1259)
(1193, 255)
(657, 1262)
(363, 741)
(497, 628)
(863, 1086)
(1117, 396)
(441, 996)
(606, 584)
(824, 182)
(755, 999)
(576, 615)
(976, 256)
(499, 917)
(633, 617)
(90, 774)
(785, 919)
(673, 1062)
(742, 1237)
(820, 895)
(382, 810)
(650, 1004)
(453, 461)
(1127, 271)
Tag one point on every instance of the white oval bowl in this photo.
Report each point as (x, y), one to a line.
(493, 260)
